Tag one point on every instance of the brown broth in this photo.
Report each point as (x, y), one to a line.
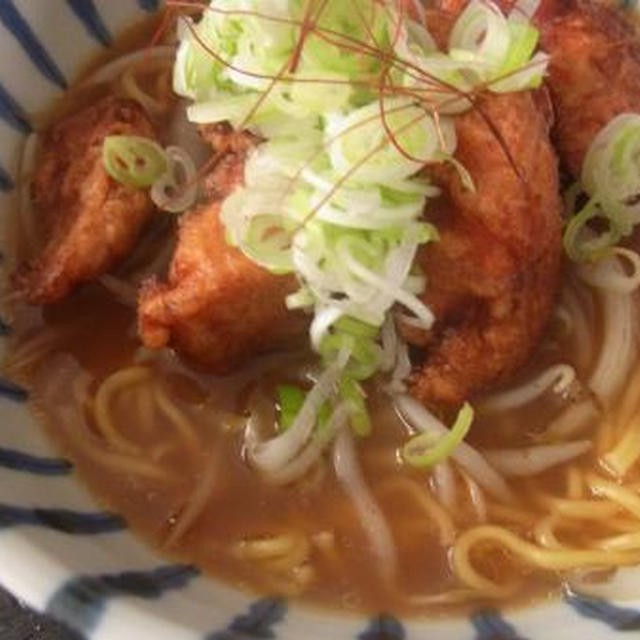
(99, 334)
(242, 506)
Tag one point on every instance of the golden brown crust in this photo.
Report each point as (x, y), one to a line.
(493, 275)
(594, 72)
(90, 221)
(217, 307)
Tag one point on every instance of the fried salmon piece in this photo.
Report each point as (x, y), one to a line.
(594, 72)
(594, 69)
(218, 307)
(492, 277)
(89, 221)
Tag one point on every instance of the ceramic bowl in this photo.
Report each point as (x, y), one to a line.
(63, 556)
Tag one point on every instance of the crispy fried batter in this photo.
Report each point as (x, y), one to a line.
(218, 307)
(594, 72)
(90, 221)
(492, 277)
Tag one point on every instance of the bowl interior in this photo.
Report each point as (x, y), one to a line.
(63, 555)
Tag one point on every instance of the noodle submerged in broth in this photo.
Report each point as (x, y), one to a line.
(544, 485)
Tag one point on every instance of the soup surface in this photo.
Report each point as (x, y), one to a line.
(162, 443)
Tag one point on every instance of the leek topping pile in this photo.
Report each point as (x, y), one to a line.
(350, 100)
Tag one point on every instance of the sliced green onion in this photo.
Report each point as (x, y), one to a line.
(177, 189)
(267, 241)
(360, 140)
(611, 168)
(334, 95)
(233, 108)
(481, 34)
(523, 42)
(301, 299)
(611, 179)
(497, 50)
(364, 353)
(352, 393)
(356, 328)
(290, 401)
(333, 194)
(348, 18)
(428, 449)
(134, 161)
(582, 243)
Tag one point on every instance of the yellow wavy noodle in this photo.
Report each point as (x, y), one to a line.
(122, 463)
(287, 545)
(145, 408)
(621, 524)
(528, 554)
(509, 514)
(575, 483)
(424, 502)
(110, 387)
(184, 427)
(582, 509)
(34, 349)
(605, 436)
(285, 558)
(298, 555)
(625, 453)
(197, 501)
(623, 542)
(544, 532)
(616, 493)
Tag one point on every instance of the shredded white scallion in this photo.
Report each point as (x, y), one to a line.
(334, 195)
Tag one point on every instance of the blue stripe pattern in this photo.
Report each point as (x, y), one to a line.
(490, 625)
(24, 34)
(81, 602)
(12, 391)
(88, 14)
(18, 461)
(256, 624)
(62, 520)
(12, 113)
(384, 627)
(618, 618)
(149, 5)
